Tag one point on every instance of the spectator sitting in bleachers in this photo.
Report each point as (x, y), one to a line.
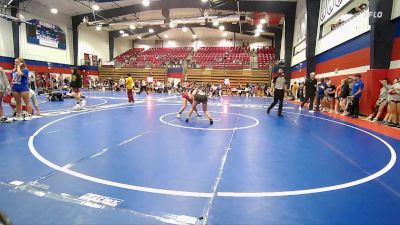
(358, 9)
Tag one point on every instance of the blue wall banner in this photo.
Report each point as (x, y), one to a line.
(46, 34)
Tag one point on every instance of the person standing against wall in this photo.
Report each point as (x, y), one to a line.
(355, 96)
(4, 89)
(310, 89)
(295, 89)
(321, 87)
(330, 93)
(32, 82)
(110, 84)
(279, 88)
(300, 92)
(43, 81)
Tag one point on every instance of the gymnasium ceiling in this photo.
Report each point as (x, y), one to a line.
(240, 17)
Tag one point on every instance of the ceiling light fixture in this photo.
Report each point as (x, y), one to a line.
(139, 37)
(151, 30)
(95, 7)
(132, 27)
(204, 0)
(215, 23)
(121, 31)
(172, 25)
(194, 36)
(263, 21)
(20, 16)
(98, 27)
(124, 35)
(54, 10)
(165, 35)
(221, 28)
(146, 3)
(184, 29)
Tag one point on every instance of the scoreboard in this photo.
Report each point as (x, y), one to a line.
(46, 34)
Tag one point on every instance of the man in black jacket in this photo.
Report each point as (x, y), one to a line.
(310, 89)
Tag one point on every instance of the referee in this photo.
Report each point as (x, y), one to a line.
(279, 88)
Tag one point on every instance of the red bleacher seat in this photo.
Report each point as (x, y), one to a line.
(217, 57)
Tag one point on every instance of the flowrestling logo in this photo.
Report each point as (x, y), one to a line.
(376, 14)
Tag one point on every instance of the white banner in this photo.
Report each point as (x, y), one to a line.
(108, 63)
(396, 9)
(328, 8)
(300, 22)
(48, 42)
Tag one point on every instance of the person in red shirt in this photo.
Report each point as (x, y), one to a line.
(186, 97)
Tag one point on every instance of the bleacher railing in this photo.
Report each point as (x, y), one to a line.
(344, 22)
(88, 62)
(209, 65)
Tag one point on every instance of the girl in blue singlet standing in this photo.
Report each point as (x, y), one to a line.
(20, 88)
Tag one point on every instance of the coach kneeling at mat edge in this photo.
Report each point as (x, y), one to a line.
(279, 88)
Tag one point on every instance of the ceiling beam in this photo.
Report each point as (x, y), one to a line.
(202, 12)
(246, 28)
(141, 30)
(235, 29)
(232, 29)
(191, 30)
(165, 13)
(244, 5)
(156, 32)
(154, 5)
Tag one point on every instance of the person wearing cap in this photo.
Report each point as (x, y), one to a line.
(279, 89)
(355, 96)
